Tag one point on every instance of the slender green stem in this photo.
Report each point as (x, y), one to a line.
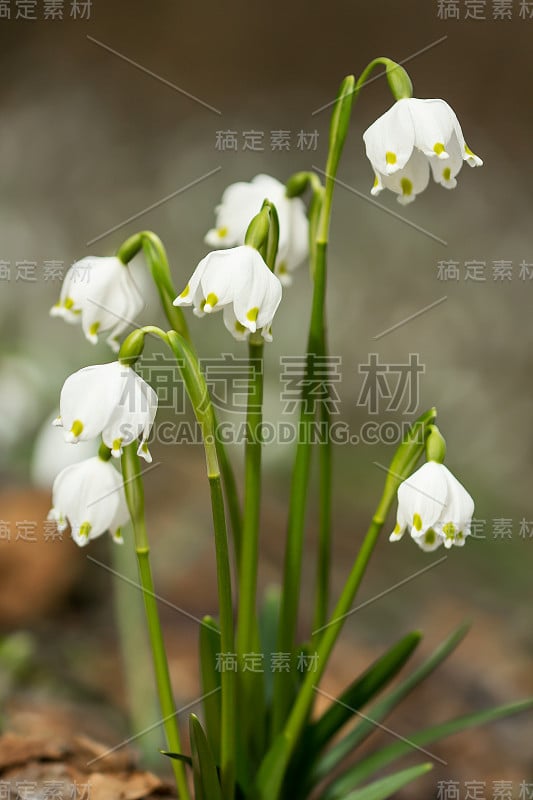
(136, 659)
(203, 409)
(252, 486)
(228, 707)
(134, 490)
(325, 459)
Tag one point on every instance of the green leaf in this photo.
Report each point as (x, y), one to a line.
(178, 756)
(268, 631)
(209, 642)
(386, 787)
(358, 693)
(206, 782)
(272, 769)
(383, 708)
(369, 765)
(317, 734)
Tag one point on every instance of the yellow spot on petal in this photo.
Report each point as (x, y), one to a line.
(94, 328)
(252, 314)
(238, 327)
(397, 528)
(439, 148)
(144, 447)
(376, 182)
(222, 232)
(449, 530)
(446, 173)
(468, 151)
(407, 186)
(390, 158)
(430, 536)
(69, 302)
(117, 444)
(211, 300)
(77, 428)
(85, 529)
(186, 291)
(282, 268)
(417, 522)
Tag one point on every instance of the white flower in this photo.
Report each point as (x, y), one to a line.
(434, 507)
(410, 137)
(242, 201)
(90, 497)
(101, 294)
(238, 281)
(110, 400)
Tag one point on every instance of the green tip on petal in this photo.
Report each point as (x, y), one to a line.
(407, 187)
(77, 428)
(211, 300)
(430, 537)
(85, 529)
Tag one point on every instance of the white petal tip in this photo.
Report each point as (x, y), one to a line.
(57, 422)
(405, 199)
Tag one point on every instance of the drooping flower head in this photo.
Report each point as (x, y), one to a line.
(110, 400)
(410, 138)
(90, 497)
(238, 282)
(101, 294)
(434, 507)
(242, 201)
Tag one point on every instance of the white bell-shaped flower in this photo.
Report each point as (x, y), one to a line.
(238, 281)
(412, 136)
(242, 201)
(102, 295)
(110, 400)
(434, 507)
(90, 497)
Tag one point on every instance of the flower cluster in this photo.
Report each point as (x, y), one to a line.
(409, 139)
(111, 401)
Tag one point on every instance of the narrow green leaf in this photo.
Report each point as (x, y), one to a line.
(358, 693)
(178, 756)
(369, 765)
(209, 642)
(268, 628)
(206, 782)
(383, 708)
(386, 787)
(272, 770)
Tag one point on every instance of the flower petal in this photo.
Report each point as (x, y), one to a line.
(389, 141)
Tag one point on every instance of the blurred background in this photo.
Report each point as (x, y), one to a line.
(117, 118)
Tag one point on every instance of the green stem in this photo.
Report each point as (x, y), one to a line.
(252, 499)
(134, 490)
(203, 409)
(227, 643)
(136, 661)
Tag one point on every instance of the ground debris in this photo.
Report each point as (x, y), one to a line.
(36, 768)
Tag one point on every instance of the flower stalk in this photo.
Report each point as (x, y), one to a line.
(133, 487)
